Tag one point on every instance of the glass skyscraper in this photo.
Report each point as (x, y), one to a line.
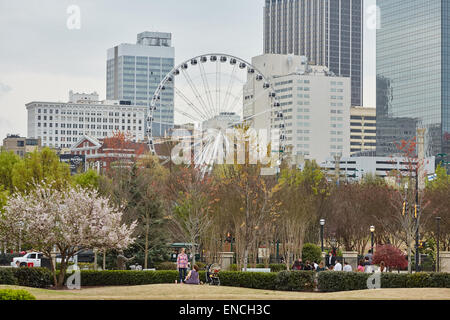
(413, 62)
(134, 72)
(328, 32)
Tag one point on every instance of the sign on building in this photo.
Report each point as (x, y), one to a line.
(75, 162)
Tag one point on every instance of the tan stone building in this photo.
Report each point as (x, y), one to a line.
(363, 130)
(20, 145)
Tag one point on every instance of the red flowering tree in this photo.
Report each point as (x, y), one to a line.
(393, 257)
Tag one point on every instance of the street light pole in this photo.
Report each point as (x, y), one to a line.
(416, 216)
(438, 220)
(322, 223)
(372, 230)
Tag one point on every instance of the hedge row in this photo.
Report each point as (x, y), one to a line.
(27, 277)
(290, 281)
(346, 281)
(283, 281)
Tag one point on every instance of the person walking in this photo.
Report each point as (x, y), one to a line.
(369, 255)
(182, 263)
(192, 277)
(367, 265)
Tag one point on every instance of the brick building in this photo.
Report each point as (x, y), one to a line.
(102, 154)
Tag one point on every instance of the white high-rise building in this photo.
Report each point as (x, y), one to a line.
(315, 105)
(134, 72)
(59, 125)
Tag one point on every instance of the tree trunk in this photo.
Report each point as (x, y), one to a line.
(62, 272)
(53, 266)
(147, 231)
(104, 259)
(245, 258)
(409, 253)
(193, 251)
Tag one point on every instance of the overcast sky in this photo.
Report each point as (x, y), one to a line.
(42, 59)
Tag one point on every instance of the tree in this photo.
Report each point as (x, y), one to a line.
(192, 199)
(7, 162)
(299, 194)
(40, 167)
(87, 180)
(405, 217)
(72, 219)
(393, 257)
(437, 195)
(311, 252)
(146, 204)
(139, 192)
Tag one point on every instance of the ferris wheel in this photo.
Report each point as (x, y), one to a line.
(213, 94)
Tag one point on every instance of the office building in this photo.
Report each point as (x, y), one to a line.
(315, 105)
(134, 72)
(363, 130)
(59, 125)
(328, 32)
(20, 145)
(355, 168)
(413, 74)
(222, 121)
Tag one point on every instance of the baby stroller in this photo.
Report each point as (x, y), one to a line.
(212, 274)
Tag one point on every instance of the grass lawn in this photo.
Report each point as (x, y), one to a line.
(204, 292)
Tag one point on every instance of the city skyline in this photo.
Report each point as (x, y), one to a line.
(43, 59)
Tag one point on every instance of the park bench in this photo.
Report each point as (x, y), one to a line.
(257, 269)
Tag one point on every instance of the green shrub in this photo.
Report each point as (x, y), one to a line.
(166, 266)
(311, 252)
(7, 276)
(393, 280)
(277, 267)
(418, 280)
(274, 267)
(233, 267)
(33, 277)
(329, 281)
(344, 281)
(9, 294)
(294, 281)
(86, 266)
(439, 280)
(201, 265)
(254, 280)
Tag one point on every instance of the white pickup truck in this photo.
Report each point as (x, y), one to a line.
(31, 259)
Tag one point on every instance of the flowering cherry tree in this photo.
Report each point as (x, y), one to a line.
(70, 220)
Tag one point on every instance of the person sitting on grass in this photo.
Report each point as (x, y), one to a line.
(321, 267)
(192, 277)
(298, 265)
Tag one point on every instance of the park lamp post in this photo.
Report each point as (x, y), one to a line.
(322, 223)
(438, 220)
(372, 230)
